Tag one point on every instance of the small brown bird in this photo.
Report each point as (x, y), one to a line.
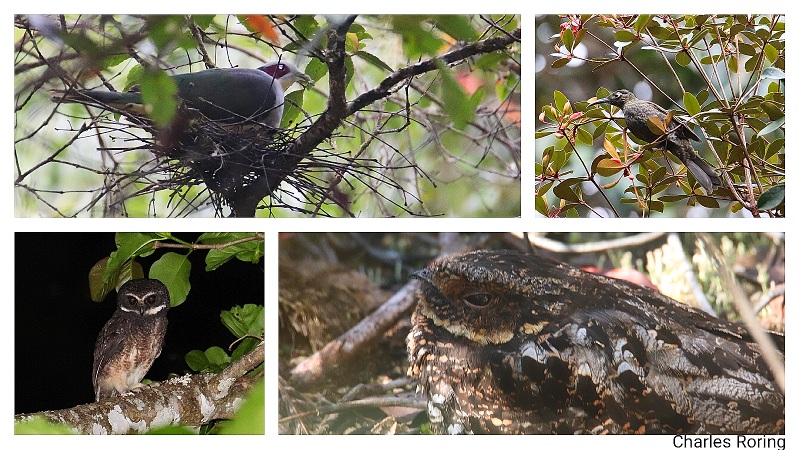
(131, 339)
(510, 343)
(678, 143)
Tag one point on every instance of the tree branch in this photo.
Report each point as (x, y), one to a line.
(191, 400)
(338, 109)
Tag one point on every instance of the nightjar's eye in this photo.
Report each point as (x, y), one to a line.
(478, 300)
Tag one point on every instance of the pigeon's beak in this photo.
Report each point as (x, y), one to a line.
(304, 80)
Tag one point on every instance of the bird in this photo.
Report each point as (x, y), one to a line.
(230, 96)
(637, 112)
(504, 342)
(131, 339)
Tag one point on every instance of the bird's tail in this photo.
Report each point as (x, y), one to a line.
(702, 172)
(115, 99)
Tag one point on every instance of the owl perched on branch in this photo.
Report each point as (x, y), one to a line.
(504, 342)
(131, 339)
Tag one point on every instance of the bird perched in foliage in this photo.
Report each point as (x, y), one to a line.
(131, 339)
(677, 141)
(511, 343)
(230, 96)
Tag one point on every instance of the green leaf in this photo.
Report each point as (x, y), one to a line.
(159, 95)
(116, 59)
(349, 69)
(560, 100)
(316, 69)
(374, 60)
(203, 21)
(772, 198)
(457, 26)
(708, 202)
(306, 24)
(564, 190)
(249, 418)
(683, 58)
(167, 31)
(568, 39)
(624, 36)
(416, 40)
(656, 205)
(561, 62)
(292, 106)
(776, 146)
(775, 125)
(214, 359)
(490, 61)
(733, 64)
(134, 77)
(173, 270)
(196, 360)
(773, 110)
(40, 425)
(770, 52)
(129, 246)
(655, 125)
(691, 103)
(99, 290)
(244, 347)
(248, 251)
(608, 167)
(455, 101)
(641, 22)
(217, 356)
(585, 137)
(247, 320)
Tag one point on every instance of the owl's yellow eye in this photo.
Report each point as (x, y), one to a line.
(478, 300)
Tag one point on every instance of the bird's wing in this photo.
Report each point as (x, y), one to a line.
(232, 95)
(110, 342)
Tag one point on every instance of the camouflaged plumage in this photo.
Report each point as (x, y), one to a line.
(503, 342)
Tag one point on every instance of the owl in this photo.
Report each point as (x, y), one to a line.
(131, 340)
(512, 343)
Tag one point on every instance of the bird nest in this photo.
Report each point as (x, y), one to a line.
(240, 166)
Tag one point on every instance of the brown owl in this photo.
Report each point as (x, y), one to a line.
(131, 340)
(504, 342)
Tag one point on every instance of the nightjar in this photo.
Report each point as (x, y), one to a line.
(504, 342)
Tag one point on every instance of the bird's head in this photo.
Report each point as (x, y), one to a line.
(144, 297)
(286, 73)
(617, 98)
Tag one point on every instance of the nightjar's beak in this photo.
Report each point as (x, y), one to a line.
(425, 275)
(599, 101)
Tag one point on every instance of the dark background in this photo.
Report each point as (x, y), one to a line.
(56, 322)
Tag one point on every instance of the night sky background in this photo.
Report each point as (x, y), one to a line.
(56, 322)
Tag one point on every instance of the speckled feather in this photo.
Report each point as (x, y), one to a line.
(504, 342)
